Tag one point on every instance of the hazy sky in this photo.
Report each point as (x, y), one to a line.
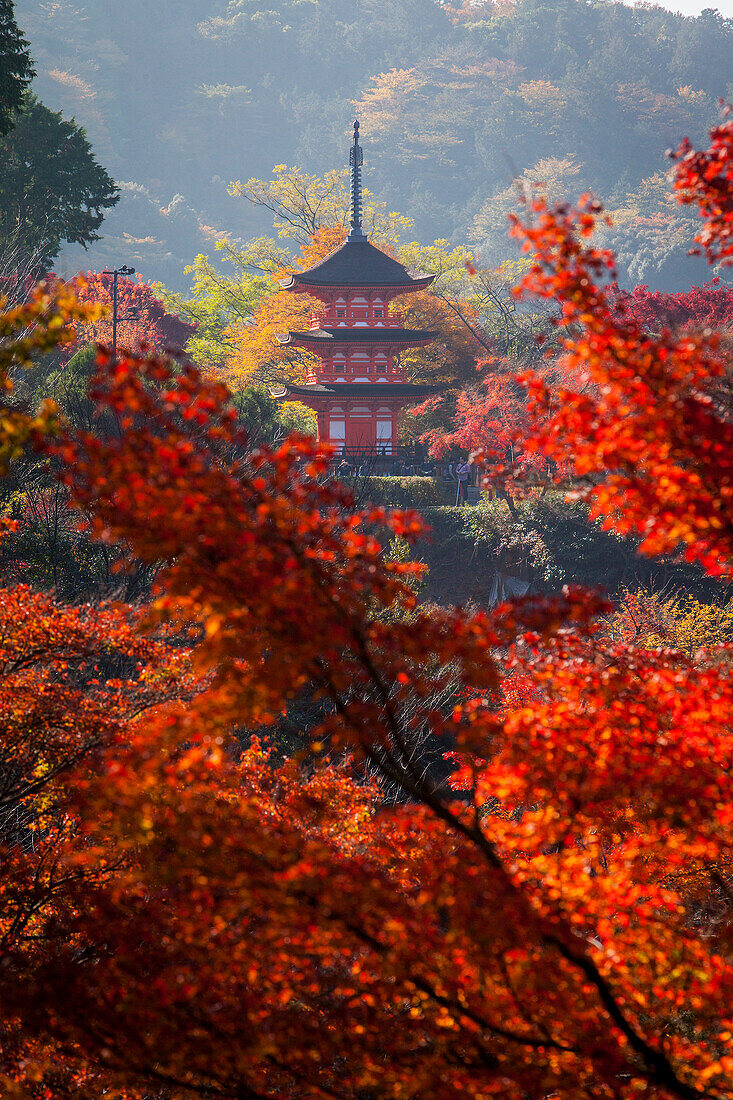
(694, 7)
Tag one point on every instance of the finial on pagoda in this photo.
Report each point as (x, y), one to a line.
(356, 159)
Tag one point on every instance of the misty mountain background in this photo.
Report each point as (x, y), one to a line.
(179, 97)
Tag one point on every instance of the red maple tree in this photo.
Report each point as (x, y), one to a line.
(143, 322)
(700, 307)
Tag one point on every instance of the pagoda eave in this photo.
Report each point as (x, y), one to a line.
(297, 285)
(357, 265)
(402, 392)
(332, 339)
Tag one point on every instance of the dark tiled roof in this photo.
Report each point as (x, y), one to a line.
(356, 264)
(358, 336)
(349, 390)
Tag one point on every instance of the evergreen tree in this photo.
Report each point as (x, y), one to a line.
(51, 187)
(15, 66)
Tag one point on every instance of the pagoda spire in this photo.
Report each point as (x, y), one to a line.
(356, 159)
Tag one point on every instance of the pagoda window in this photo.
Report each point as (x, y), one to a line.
(377, 313)
(384, 430)
(337, 429)
(381, 368)
(340, 312)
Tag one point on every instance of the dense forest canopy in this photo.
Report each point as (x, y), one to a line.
(179, 97)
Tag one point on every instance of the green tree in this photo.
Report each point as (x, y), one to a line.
(51, 187)
(16, 68)
(222, 297)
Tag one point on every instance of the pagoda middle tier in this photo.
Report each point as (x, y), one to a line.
(352, 350)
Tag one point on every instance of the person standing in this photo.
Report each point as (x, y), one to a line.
(463, 473)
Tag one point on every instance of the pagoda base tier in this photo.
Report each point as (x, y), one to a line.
(357, 417)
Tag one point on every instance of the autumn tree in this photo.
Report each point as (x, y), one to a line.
(303, 204)
(653, 620)
(223, 300)
(72, 681)
(315, 899)
(257, 356)
(706, 306)
(44, 323)
(72, 678)
(665, 386)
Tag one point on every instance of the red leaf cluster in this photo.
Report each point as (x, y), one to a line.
(704, 178)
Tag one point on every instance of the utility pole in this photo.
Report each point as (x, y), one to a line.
(124, 270)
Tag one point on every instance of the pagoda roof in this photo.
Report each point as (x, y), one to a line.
(357, 263)
(350, 390)
(344, 335)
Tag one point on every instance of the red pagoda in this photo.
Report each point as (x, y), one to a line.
(359, 388)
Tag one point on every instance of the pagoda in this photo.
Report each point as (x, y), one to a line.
(359, 388)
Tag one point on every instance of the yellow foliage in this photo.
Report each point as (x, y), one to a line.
(304, 204)
(452, 355)
(46, 321)
(542, 95)
(680, 622)
(257, 355)
(691, 95)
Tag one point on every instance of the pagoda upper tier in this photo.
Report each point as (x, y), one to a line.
(356, 264)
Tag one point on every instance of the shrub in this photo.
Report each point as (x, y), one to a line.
(404, 492)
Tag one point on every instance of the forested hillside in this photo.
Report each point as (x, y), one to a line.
(179, 97)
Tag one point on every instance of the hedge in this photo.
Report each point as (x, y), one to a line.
(405, 492)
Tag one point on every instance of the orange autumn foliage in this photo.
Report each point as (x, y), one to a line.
(258, 356)
(274, 918)
(451, 358)
(74, 682)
